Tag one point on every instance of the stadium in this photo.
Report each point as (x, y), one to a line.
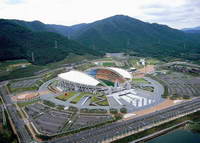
(101, 88)
(98, 79)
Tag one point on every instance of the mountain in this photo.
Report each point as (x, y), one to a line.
(192, 30)
(17, 41)
(37, 26)
(118, 33)
(125, 34)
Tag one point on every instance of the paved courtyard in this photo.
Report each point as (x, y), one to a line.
(133, 99)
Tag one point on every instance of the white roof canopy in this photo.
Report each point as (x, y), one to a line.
(122, 72)
(79, 77)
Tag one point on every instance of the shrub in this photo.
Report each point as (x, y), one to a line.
(113, 111)
(123, 110)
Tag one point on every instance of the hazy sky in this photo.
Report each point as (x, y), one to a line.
(175, 13)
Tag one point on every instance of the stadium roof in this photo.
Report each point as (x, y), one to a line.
(122, 72)
(79, 77)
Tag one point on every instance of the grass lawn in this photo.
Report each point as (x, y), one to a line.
(105, 59)
(109, 64)
(13, 63)
(140, 80)
(103, 103)
(108, 83)
(65, 98)
(96, 100)
(152, 61)
(18, 90)
(49, 103)
(23, 104)
(21, 72)
(78, 98)
(30, 70)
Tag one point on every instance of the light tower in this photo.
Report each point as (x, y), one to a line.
(32, 57)
(145, 67)
(56, 44)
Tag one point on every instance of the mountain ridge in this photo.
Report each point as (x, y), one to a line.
(121, 33)
(192, 30)
(20, 42)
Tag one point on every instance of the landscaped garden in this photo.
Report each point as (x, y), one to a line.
(65, 96)
(78, 98)
(100, 100)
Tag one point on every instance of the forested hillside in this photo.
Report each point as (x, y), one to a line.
(18, 42)
(19, 39)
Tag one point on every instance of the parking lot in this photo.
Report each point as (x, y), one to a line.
(51, 122)
(48, 121)
(24, 83)
(35, 109)
(115, 129)
(181, 85)
(89, 120)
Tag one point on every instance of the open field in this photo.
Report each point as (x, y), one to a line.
(13, 64)
(152, 61)
(105, 59)
(21, 72)
(30, 70)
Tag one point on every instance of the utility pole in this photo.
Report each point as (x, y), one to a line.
(68, 35)
(159, 41)
(56, 44)
(93, 47)
(4, 117)
(145, 66)
(33, 58)
(128, 43)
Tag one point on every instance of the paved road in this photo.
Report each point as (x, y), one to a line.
(158, 89)
(118, 128)
(19, 124)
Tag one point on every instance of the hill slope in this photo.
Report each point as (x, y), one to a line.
(192, 30)
(122, 33)
(114, 34)
(18, 41)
